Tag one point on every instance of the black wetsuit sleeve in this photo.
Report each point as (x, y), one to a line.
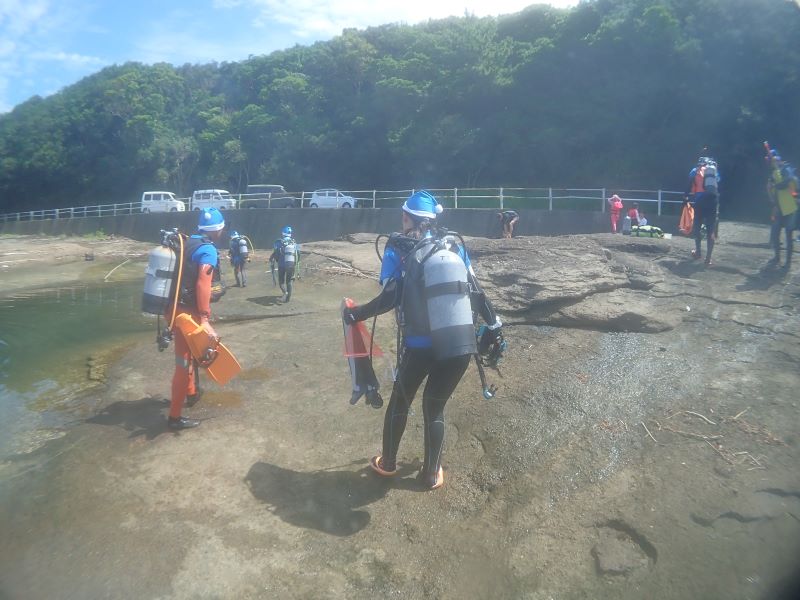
(382, 303)
(480, 303)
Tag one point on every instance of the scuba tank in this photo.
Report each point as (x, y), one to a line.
(244, 250)
(626, 225)
(710, 178)
(436, 299)
(160, 275)
(289, 251)
(448, 303)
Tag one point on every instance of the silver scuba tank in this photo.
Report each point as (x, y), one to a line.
(289, 250)
(244, 250)
(446, 292)
(710, 178)
(158, 278)
(626, 225)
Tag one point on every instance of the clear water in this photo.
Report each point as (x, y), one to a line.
(46, 341)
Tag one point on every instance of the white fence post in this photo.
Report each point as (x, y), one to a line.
(550, 197)
(501, 198)
(455, 197)
(603, 200)
(374, 192)
(659, 203)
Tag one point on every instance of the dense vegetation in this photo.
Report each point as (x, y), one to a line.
(614, 93)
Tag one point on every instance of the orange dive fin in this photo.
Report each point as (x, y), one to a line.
(209, 352)
(357, 339)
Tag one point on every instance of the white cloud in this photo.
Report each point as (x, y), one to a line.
(68, 58)
(312, 19)
(19, 18)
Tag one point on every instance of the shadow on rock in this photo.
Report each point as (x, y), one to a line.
(686, 269)
(763, 279)
(322, 500)
(143, 417)
(749, 244)
(267, 300)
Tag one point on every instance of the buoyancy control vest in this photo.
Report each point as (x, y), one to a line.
(191, 270)
(239, 247)
(436, 298)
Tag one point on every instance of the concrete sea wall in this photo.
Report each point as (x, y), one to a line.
(263, 226)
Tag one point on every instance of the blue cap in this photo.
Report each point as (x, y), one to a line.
(422, 204)
(286, 230)
(211, 220)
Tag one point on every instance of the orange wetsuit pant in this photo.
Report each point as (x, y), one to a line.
(183, 383)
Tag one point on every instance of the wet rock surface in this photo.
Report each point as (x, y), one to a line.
(643, 444)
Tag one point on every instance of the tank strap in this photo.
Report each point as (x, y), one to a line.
(448, 287)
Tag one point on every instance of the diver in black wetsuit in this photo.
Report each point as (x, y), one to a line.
(437, 328)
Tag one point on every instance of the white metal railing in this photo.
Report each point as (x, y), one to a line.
(549, 198)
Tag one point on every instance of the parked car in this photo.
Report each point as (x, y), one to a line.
(330, 198)
(264, 195)
(161, 202)
(220, 199)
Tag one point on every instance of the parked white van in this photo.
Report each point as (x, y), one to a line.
(161, 202)
(220, 199)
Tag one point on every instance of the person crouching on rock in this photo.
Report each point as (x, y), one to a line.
(438, 344)
(508, 218)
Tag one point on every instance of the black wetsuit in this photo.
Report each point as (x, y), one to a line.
(415, 363)
(443, 377)
(706, 209)
(286, 265)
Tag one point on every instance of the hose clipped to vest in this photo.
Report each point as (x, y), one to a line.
(489, 390)
(164, 336)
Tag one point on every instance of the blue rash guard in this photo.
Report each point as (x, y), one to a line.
(392, 267)
(206, 254)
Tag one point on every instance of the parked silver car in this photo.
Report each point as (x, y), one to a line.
(330, 198)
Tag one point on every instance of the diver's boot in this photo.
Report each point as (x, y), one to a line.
(178, 423)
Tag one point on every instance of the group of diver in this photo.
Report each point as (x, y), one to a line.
(426, 276)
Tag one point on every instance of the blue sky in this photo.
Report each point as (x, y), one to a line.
(46, 45)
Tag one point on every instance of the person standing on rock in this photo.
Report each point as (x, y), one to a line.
(239, 254)
(200, 286)
(782, 188)
(508, 218)
(430, 282)
(706, 208)
(286, 253)
(615, 208)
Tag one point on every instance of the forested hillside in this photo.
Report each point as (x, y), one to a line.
(614, 93)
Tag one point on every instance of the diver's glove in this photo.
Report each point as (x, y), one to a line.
(349, 316)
